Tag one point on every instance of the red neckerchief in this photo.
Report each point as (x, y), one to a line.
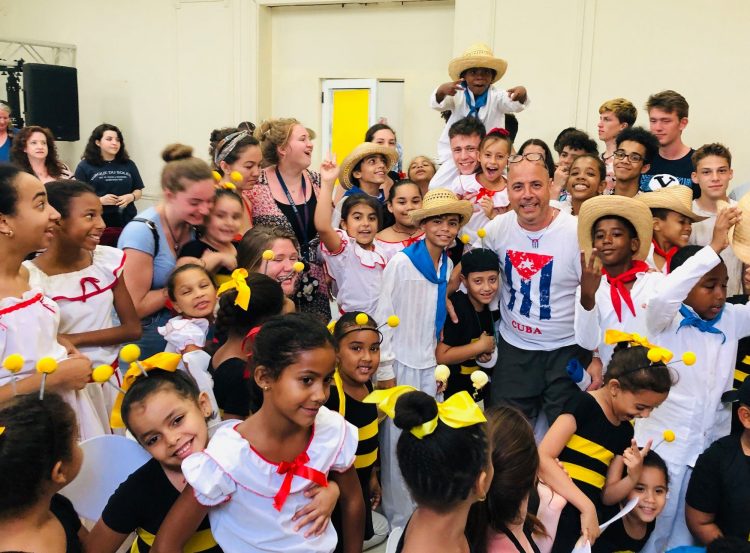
(666, 255)
(485, 192)
(296, 468)
(617, 289)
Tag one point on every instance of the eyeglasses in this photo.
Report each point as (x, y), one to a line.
(531, 156)
(633, 157)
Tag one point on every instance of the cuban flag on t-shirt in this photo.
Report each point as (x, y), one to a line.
(521, 269)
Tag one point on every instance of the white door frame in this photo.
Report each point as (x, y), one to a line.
(329, 85)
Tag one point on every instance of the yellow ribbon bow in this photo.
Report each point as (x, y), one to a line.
(458, 411)
(655, 353)
(164, 360)
(2, 429)
(237, 283)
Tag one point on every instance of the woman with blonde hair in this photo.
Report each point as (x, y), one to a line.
(151, 241)
(286, 196)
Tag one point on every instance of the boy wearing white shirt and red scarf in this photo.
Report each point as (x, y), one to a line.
(616, 231)
(414, 287)
(689, 312)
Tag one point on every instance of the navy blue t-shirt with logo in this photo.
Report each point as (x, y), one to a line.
(113, 177)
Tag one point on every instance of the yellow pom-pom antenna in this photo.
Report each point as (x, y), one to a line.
(268, 255)
(298, 266)
(653, 355)
(46, 365)
(479, 379)
(465, 238)
(216, 175)
(13, 363)
(481, 233)
(361, 319)
(393, 321)
(688, 358)
(236, 177)
(442, 372)
(229, 186)
(130, 353)
(102, 375)
(669, 436)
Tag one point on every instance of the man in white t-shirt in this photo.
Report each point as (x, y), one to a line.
(541, 269)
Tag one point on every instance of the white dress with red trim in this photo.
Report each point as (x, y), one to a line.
(389, 249)
(357, 273)
(469, 188)
(253, 500)
(29, 327)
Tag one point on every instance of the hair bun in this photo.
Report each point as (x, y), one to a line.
(413, 409)
(174, 152)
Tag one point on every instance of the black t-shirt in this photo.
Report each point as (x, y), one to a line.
(306, 215)
(616, 540)
(665, 172)
(113, 177)
(62, 508)
(469, 328)
(720, 484)
(231, 386)
(196, 248)
(142, 502)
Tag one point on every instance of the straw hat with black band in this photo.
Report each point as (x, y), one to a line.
(477, 55)
(366, 149)
(739, 234)
(629, 209)
(441, 201)
(678, 198)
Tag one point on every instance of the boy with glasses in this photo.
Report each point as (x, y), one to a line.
(470, 93)
(635, 147)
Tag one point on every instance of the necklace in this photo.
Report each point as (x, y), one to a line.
(407, 233)
(175, 242)
(535, 239)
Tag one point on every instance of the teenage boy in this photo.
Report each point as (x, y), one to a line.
(614, 293)
(673, 219)
(365, 171)
(465, 135)
(718, 496)
(635, 148)
(713, 171)
(615, 116)
(540, 260)
(470, 343)
(414, 287)
(688, 312)
(668, 117)
(470, 94)
(570, 144)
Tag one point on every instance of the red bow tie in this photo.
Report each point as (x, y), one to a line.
(296, 468)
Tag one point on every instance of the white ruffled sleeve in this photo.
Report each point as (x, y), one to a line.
(345, 457)
(180, 333)
(211, 485)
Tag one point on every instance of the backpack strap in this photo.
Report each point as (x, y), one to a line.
(150, 224)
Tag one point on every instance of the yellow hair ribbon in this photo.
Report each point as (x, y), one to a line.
(237, 283)
(2, 429)
(164, 360)
(656, 353)
(458, 411)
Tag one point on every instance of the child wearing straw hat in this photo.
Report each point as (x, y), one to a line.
(673, 219)
(614, 233)
(470, 93)
(365, 171)
(414, 287)
(688, 311)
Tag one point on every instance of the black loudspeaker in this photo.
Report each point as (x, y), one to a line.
(50, 96)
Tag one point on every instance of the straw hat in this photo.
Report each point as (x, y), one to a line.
(477, 55)
(366, 149)
(739, 234)
(628, 208)
(441, 201)
(677, 198)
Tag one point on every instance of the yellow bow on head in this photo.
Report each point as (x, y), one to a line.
(164, 360)
(237, 283)
(2, 429)
(458, 411)
(656, 353)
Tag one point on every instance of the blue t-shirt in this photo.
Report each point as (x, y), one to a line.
(5, 147)
(113, 177)
(138, 236)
